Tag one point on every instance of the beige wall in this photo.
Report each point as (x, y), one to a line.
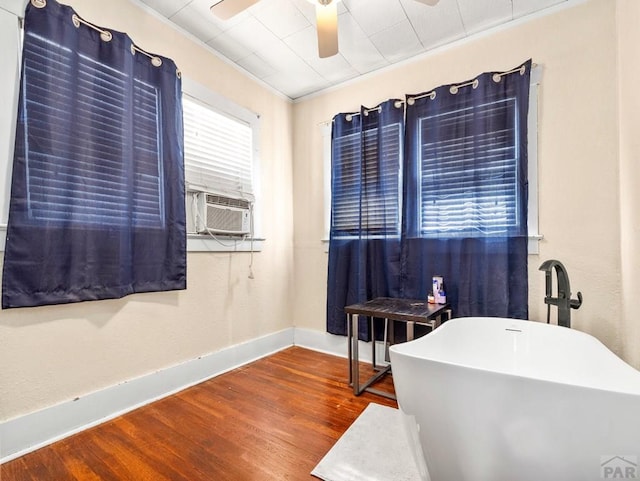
(588, 172)
(578, 156)
(53, 354)
(629, 102)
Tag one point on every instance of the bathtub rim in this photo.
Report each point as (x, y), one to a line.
(401, 349)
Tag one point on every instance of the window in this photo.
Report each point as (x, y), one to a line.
(367, 184)
(463, 210)
(532, 211)
(89, 183)
(468, 177)
(221, 157)
(218, 152)
(97, 191)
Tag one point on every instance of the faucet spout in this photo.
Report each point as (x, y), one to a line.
(563, 298)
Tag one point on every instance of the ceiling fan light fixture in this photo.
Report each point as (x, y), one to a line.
(327, 26)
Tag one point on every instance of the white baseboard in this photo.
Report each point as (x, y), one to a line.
(335, 345)
(34, 430)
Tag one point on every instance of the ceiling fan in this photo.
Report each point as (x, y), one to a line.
(326, 19)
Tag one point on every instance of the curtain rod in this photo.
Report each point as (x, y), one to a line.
(474, 83)
(432, 94)
(106, 35)
(397, 104)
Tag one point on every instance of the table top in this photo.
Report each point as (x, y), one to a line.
(398, 309)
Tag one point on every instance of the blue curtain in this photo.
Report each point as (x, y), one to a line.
(364, 250)
(465, 194)
(97, 195)
(463, 207)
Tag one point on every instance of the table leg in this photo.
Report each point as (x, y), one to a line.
(410, 330)
(349, 347)
(385, 340)
(355, 367)
(373, 343)
(439, 318)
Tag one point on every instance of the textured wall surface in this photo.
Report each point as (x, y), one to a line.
(578, 167)
(54, 354)
(628, 15)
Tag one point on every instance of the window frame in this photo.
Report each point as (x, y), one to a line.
(225, 243)
(10, 36)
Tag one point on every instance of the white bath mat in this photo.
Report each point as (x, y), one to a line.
(374, 448)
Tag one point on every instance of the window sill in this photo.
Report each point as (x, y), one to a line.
(203, 243)
(534, 243)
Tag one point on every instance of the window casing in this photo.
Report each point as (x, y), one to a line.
(11, 35)
(222, 156)
(97, 188)
(11, 41)
(532, 146)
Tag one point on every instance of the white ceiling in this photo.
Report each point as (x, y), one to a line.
(275, 40)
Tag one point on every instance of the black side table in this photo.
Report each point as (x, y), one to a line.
(409, 311)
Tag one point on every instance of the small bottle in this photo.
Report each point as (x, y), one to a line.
(436, 286)
(442, 297)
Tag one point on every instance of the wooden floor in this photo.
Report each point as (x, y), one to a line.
(270, 420)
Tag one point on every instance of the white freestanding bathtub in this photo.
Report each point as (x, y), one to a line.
(489, 399)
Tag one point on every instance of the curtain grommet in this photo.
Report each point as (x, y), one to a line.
(454, 89)
(348, 117)
(432, 95)
(475, 83)
(496, 77)
(523, 69)
(39, 3)
(156, 61)
(178, 73)
(411, 101)
(105, 35)
(398, 104)
(133, 49)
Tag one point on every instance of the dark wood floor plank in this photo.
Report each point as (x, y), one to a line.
(273, 419)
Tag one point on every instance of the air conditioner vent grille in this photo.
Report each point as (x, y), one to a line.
(227, 201)
(224, 220)
(218, 214)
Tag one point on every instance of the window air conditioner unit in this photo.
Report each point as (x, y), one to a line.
(222, 215)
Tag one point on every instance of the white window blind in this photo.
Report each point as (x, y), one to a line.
(85, 174)
(217, 151)
(366, 189)
(469, 167)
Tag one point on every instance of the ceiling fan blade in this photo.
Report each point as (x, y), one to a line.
(225, 9)
(428, 2)
(327, 23)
